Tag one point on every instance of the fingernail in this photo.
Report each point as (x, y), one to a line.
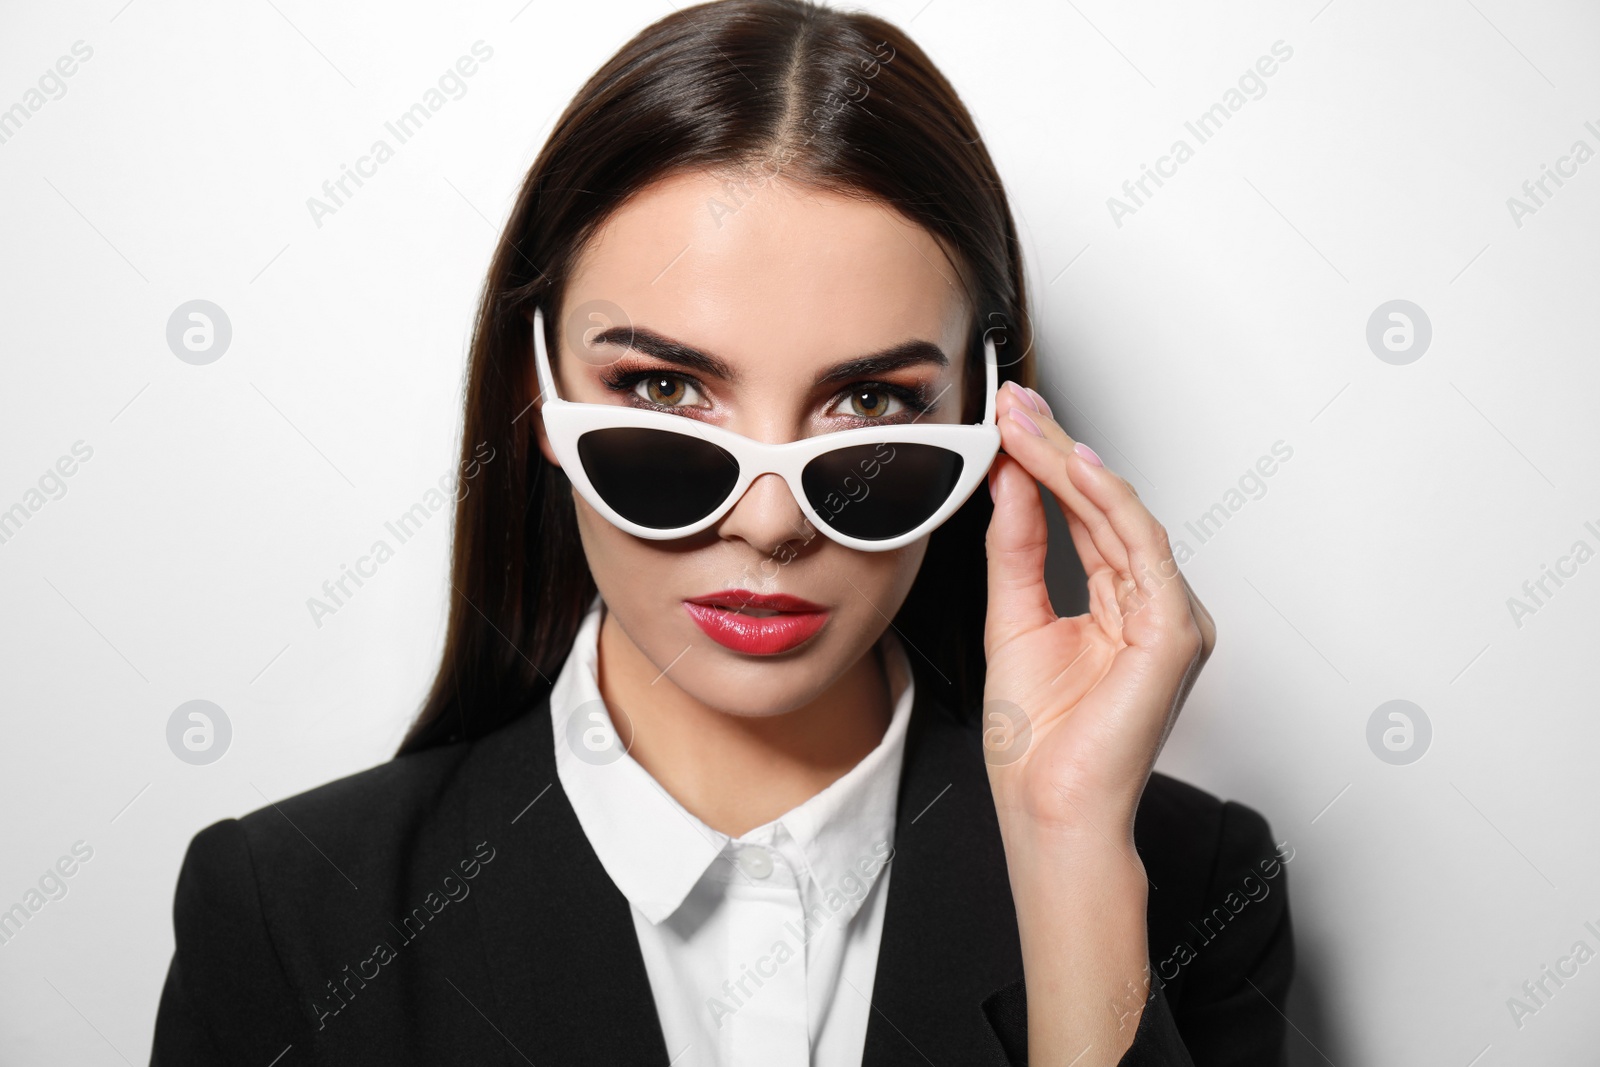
(1086, 452)
(990, 480)
(1026, 395)
(1027, 424)
(1040, 405)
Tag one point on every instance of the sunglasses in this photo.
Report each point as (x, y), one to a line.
(659, 475)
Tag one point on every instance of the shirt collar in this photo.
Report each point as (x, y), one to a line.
(656, 851)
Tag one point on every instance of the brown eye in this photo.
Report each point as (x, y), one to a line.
(870, 402)
(667, 390)
(663, 390)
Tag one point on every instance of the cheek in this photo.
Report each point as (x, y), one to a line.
(607, 548)
(627, 570)
(882, 578)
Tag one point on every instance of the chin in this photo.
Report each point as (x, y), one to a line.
(758, 685)
(778, 703)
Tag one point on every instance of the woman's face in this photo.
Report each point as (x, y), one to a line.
(779, 283)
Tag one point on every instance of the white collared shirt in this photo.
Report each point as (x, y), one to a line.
(738, 973)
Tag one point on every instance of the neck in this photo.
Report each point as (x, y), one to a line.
(737, 772)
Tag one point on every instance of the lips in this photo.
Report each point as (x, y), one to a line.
(761, 624)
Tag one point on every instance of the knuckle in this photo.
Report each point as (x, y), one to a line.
(1183, 639)
(1061, 457)
(1162, 539)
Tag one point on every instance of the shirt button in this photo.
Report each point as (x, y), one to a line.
(754, 861)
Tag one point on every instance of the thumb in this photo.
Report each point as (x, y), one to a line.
(1019, 602)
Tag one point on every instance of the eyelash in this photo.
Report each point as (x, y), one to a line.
(914, 399)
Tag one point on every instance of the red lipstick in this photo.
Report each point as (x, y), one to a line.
(760, 624)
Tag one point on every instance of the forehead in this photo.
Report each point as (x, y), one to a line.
(772, 273)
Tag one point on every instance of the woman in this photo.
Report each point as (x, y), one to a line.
(718, 766)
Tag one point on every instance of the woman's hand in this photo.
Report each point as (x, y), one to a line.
(1076, 709)
(1075, 712)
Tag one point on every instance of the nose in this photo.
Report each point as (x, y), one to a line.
(768, 518)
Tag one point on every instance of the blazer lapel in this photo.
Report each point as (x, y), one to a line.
(950, 959)
(557, 935)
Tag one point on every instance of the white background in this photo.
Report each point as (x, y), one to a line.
(1228, 313)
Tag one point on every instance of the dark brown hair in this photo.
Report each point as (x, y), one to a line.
(841, 101)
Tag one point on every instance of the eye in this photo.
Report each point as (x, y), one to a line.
(874, 401)
(666, 390)
(870, 401)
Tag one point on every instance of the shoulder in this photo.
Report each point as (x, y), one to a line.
(374, 808)
(1181, 827)
(363, 814)
(350, 844)
(1218, 897)
(275, 907)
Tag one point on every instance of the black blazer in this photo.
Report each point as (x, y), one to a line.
(446, 908)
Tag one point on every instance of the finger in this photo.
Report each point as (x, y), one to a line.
(1154, 576)
(1092, 560)
(1019, 601)
(1203, 619)
(1046, 457)
(1161, 608)
(1101, 579)
(1208, 633)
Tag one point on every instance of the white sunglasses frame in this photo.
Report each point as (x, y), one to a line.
(566, 421)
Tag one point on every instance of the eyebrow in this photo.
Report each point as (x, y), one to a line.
(640, 339)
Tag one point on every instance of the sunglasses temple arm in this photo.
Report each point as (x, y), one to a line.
(988, 380)
(547, 388)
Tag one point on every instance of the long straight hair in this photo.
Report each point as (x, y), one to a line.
(840, 101)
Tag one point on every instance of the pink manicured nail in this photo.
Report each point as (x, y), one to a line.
(1027, 424)
(1026, 395)
(1040, 404)
(1087, 453)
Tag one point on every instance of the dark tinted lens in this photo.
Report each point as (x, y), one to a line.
(657, 478)
(880, 491)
